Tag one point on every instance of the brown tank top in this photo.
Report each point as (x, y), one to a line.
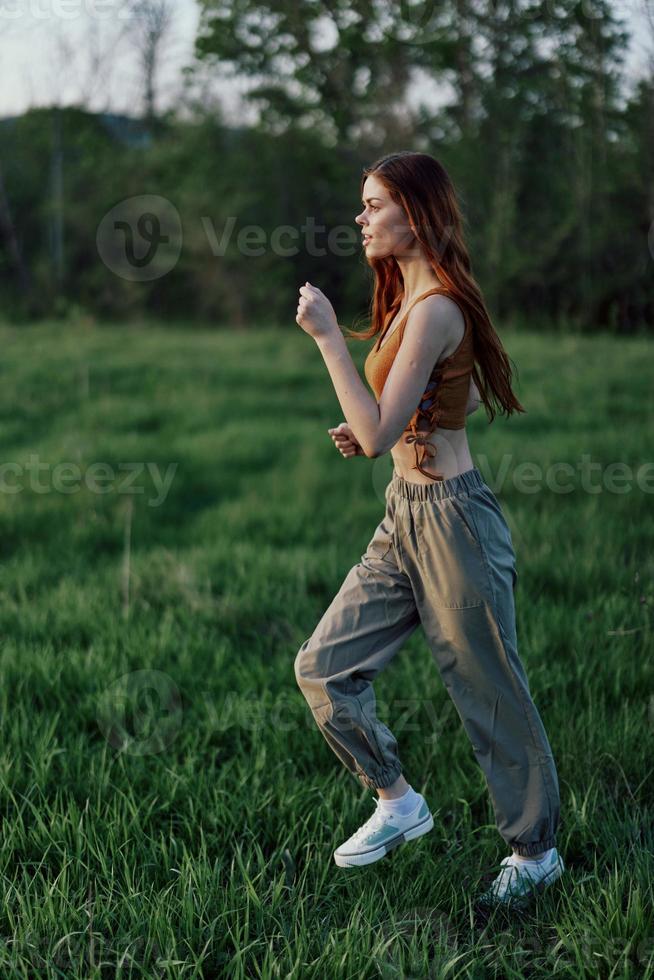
(450, 377)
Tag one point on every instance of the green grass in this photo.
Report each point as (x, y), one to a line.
(168, 806)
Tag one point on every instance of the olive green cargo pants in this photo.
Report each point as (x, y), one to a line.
(441, 557)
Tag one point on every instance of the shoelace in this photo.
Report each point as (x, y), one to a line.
(372, 824)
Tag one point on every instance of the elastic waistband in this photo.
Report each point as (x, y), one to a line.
(453, 487)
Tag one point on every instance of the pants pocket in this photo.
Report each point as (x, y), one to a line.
(467, 521)
(451, 556)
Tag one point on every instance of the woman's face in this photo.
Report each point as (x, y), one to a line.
(384, 221)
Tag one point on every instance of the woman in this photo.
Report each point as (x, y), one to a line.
(442, 555)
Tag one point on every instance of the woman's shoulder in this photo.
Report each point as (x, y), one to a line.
(445, 314)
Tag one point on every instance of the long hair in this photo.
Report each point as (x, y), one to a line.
(421, 185)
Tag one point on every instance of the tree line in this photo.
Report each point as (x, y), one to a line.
(552, 157)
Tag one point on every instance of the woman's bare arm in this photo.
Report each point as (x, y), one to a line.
(378, 426)
(474, 398)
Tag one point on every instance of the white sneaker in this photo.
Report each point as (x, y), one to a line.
(517, 882)
(381, 833)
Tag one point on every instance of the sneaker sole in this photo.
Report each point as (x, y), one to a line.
(369, 857)
(517, 901)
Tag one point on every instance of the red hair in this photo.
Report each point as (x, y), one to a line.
(422, 187)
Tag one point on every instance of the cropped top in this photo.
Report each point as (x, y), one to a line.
(450, 377)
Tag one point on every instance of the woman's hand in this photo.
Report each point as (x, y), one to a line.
(315, 314)
(345, 440)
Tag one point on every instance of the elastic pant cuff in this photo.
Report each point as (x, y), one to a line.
(525, 850)
(380, 778)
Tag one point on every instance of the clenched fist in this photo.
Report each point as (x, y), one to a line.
(315, 314)
(345, 441)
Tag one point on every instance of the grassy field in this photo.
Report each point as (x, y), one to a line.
(168, 807)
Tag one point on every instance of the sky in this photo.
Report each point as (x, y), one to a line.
(72, 51)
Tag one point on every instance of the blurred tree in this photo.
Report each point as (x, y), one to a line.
(343, 66)
(552, 162)
(12, 244)
(151, 22)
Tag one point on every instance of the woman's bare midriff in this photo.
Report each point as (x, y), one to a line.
(452, 455)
